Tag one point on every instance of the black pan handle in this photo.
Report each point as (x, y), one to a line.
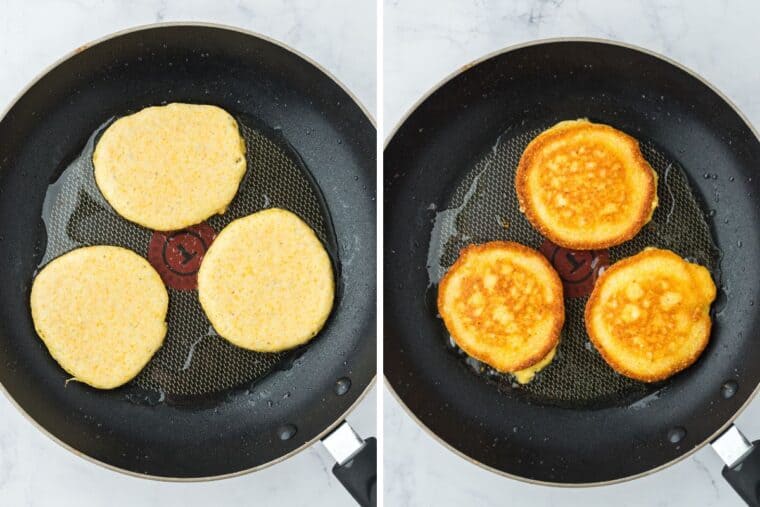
(356, 466)
(742, 470)
(359, 474)
(745, 476)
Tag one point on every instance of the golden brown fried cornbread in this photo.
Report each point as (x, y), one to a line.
(502, 303)
(649, 314)
(586, 185)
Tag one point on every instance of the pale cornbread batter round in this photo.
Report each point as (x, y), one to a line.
(586, 186)
(649, 314)
(170, 167)
(101, 312)
(266, 283)
(502, 303)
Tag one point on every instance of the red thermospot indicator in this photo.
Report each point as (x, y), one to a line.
(177, 255)
(578, 269)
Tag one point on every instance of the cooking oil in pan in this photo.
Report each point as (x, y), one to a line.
(484, 201)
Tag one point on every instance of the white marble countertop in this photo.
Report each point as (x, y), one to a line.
(423, 44)
(35, 471)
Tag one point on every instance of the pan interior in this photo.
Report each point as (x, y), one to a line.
(193, 361)
(482, 206)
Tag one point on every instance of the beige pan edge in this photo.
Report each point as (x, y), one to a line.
(356, 101)
(435, 88)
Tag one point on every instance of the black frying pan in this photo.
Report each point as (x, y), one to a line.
(578, 422)
(217, 412)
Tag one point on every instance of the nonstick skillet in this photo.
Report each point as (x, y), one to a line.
(202, 408)
(448, 182)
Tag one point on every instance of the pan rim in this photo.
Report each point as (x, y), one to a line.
(451, 76)
(219, 26)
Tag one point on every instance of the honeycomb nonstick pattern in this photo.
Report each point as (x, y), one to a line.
(483, 207)
(194, 361)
